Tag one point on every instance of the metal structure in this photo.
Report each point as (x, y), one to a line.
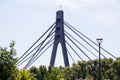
(59, 38)
(99, 41)
(58, 33)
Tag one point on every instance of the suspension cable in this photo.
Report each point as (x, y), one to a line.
(90, 39)
(37, 52)
(71, 56)
(78, 47)
(22, 60)
(74, 50)
(41, 49)
(81, 44)
(39, 55)
(35, 42)
(84, 40)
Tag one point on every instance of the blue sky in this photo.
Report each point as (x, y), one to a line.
(24, 21)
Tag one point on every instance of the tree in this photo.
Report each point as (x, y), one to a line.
(110, 70)
(39, 72)
(7, 63)
(83, 69)
(116, 66)
(107, 70)
(76, 71)
(25, 75)
(55, 73)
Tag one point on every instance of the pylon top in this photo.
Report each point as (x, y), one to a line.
(59, 15)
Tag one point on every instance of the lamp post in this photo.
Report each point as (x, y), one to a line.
(99, 41)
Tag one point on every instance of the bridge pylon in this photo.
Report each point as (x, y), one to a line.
(59, 38)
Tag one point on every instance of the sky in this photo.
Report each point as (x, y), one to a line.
(24, 21)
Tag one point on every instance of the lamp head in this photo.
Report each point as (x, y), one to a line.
(99, 40)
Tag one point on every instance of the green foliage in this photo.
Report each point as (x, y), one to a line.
(110, 69)
(7, 63)
(25, 75)
(54, 73)
(39, 72)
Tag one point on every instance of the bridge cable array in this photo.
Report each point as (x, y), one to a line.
(74, 46)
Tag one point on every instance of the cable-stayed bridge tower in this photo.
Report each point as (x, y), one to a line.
(59, 38)
(56, 34)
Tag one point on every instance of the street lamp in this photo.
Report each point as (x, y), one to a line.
(99, 41)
